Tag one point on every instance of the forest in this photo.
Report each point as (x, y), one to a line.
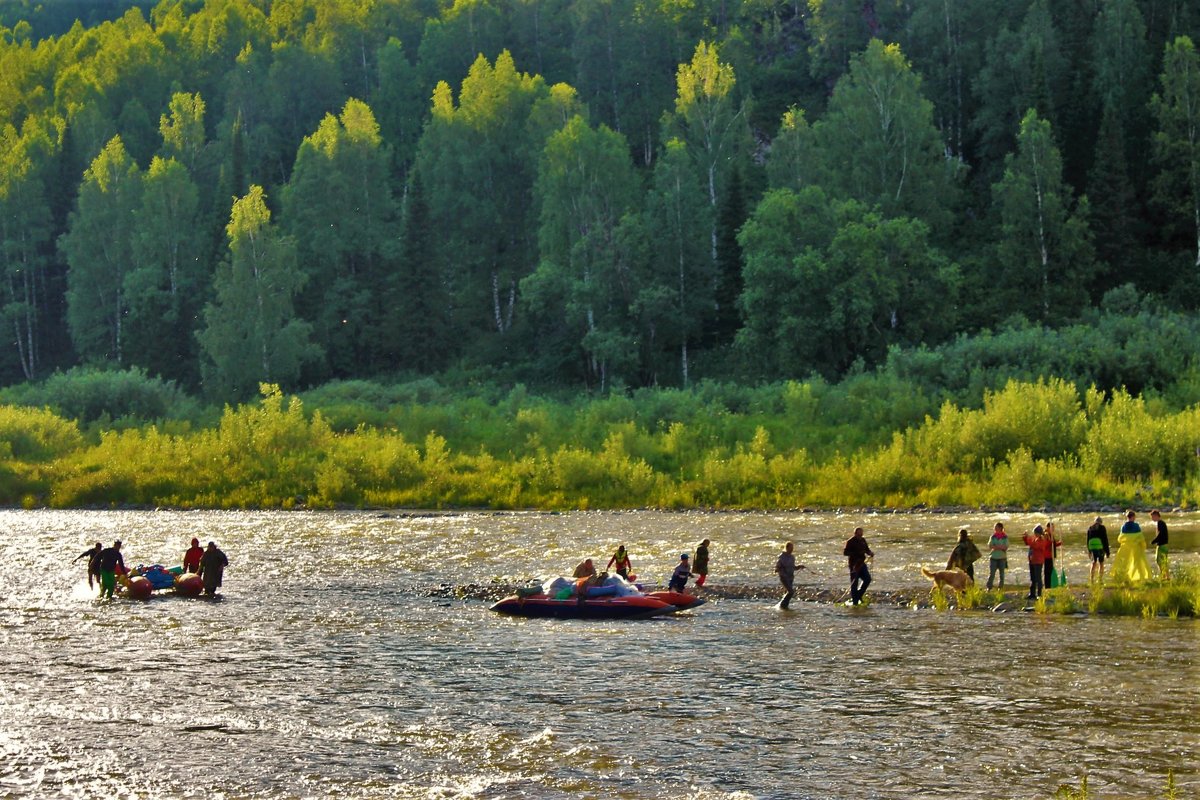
(538, 230)
(590, 195)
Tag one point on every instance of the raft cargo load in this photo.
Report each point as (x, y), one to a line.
(562, 598)
(142, 582)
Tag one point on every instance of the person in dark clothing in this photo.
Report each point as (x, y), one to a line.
(965, 555)
(679, 577)
(1049, 577)
(212, 568)
(785, 568)
(700, 566)
(92, 554)
(856, 551)
(1097, 544)
(1160, 540)
(109, 562)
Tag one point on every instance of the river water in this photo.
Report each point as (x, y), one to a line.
(328, 669)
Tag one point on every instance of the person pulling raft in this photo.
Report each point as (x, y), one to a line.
(92, 554)
(110, 563)
(679, 577)
(191, 558)
(212, 568)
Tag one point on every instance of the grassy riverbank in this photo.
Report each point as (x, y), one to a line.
(792, 445)
(1175, 598)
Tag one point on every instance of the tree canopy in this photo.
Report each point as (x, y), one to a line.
(590, 194)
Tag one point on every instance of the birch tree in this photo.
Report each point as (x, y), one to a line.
(1045, 251)
(794, 162)
(709, 122)
(1024, 68)
(339, 210)
(252, 335)
(678, 297)
(182, 130)
(478, 159)
(26, 231)
(98, 247)
(946, 41)
(878, 142)
(586, 185)
(168, 281)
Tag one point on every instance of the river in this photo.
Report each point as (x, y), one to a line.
(328, 669)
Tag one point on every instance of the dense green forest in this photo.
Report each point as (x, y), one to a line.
(601, 194)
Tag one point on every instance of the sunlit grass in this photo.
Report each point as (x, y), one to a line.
(787, 446)
(1067, 792)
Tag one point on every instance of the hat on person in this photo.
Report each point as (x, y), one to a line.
(1037, 529)
(683, 556)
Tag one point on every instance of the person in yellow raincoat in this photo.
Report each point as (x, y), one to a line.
(1130, 564)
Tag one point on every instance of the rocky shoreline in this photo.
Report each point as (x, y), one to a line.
(1014, 599)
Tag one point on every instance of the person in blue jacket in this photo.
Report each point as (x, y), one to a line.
(679, 577)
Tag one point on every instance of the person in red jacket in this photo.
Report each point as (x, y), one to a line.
(191, 559)
(1039, 549)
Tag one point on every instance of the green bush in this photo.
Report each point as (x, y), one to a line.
(89, 394)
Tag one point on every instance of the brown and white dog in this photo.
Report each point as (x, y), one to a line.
(956, 579)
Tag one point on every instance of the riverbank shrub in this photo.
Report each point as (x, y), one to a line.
(1032, 444)
(36, 434)
(113, 397)
(1130, 341)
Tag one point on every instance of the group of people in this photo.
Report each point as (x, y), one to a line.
(1043, 544)
(105, 564)
(1130, 563)
(621, 564)
(856, 550)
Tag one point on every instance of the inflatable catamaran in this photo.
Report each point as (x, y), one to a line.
(142, 582)
(611, 597)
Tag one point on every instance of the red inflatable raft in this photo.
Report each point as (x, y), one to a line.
(678, 599)
(628, 607)
(189, 585)
(139, 588)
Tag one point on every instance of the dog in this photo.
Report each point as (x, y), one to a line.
(956, 579)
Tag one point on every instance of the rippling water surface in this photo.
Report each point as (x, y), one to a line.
(328, 670)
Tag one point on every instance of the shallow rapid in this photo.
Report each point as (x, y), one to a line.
(328, 669)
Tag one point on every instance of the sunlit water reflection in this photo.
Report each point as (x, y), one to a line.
(328, 670)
